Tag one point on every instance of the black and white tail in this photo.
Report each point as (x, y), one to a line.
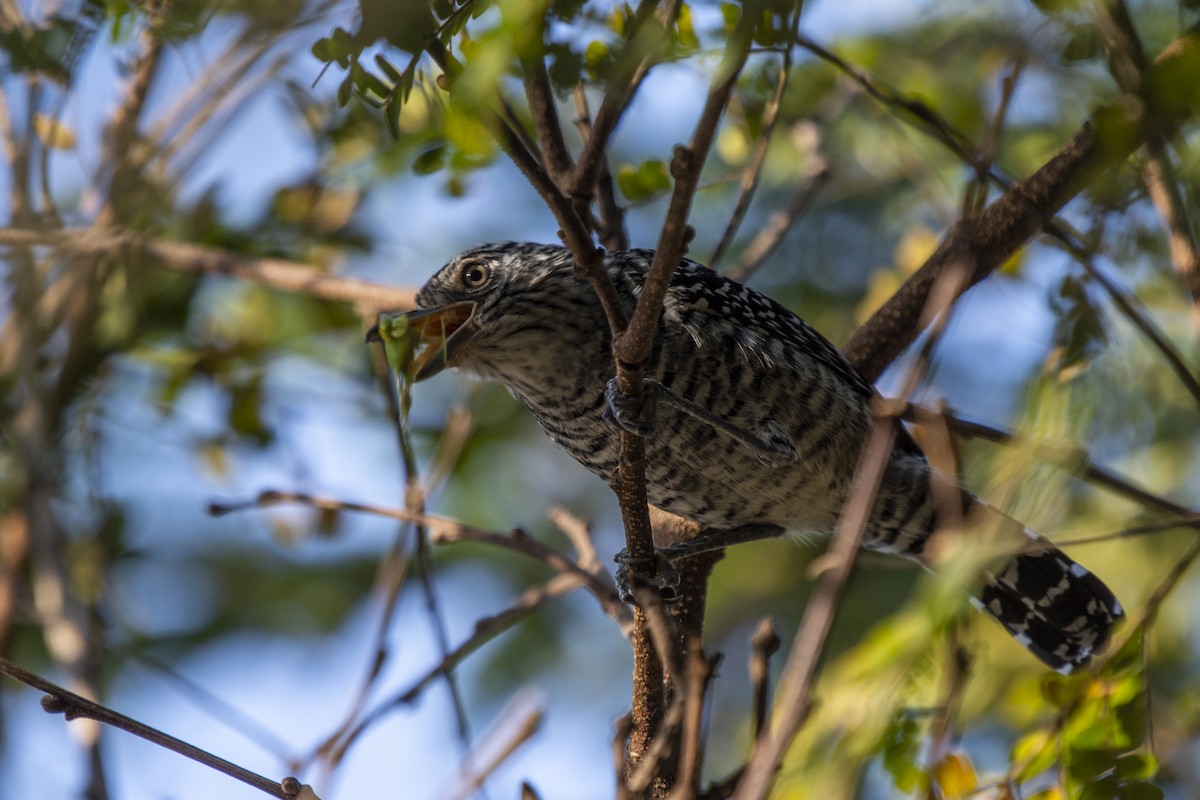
(1053, 606)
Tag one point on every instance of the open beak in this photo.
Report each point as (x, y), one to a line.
(443, 331)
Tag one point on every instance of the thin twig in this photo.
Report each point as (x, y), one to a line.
(1079, 461)
(1162, 184)
(771, 235)
(1192, 521)
(1114, 132)
(753, 169)
(289, 276)
(446, 531)
(516, 723)
(700, 672)
(1148, 329)
(544, 110)
(72, 706)
(612, 217)
(1128, 65)
(486, 629)
(621, 735)
(578, 533)
(929, 120)
(621, 90)
(763, 644)
(975, 197)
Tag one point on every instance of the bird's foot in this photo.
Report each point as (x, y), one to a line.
(636, 415)
(631, 573)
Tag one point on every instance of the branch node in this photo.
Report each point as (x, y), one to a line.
(53, 705)
(682, 160)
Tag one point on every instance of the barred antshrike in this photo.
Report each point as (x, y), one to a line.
(754, 422)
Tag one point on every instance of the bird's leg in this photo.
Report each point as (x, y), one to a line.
(770, 441)
(623, 409)
(666, 577)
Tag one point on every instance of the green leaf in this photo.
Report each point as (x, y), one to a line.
(400, 344)
(1137, 767)
(597, 58)
(644, 181)
(391, 115)
(901, 753)
(1036, 751)
(1084, 45)
(430, 160)
(1087, 765)
(394, 75)
(338, 46)
(566, 67)
(1140, 791)
(685, 30)
(245, 412)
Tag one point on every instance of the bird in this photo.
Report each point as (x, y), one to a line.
(753, 422)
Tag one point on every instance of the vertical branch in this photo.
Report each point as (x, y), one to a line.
(1162, 184)
(650, 32)
(612, 217)
(799, 671)
(631, 351)
(1128, 64)
(753, 171)
(545, 117)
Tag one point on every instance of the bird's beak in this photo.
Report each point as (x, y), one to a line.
(443, 331)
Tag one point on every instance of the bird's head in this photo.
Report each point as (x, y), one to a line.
(477, 311)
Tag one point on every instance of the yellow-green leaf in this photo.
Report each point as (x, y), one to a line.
(53, 132)
(955, 774)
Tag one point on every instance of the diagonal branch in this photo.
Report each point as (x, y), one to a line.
(1115, 131)
(650, 31)
(545, 118)
(800, 670)
(59, 700)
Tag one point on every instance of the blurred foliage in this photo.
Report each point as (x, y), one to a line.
(144, 378)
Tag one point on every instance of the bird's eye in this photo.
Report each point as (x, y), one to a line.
(475, 275)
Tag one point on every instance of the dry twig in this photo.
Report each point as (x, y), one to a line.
(61, 701)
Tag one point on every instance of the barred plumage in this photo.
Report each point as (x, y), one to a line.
(728, 360)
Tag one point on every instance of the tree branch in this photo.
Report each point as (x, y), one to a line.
(620, 92)
(799, 672)
(72, 706)
(1127, 63)
(447, 531)
(1115, 131)
(753, 169)
(288, 276)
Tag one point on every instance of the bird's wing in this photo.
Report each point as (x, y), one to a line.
(767, 331)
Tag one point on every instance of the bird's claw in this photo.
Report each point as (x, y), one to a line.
(626, 412)
(631, 572)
